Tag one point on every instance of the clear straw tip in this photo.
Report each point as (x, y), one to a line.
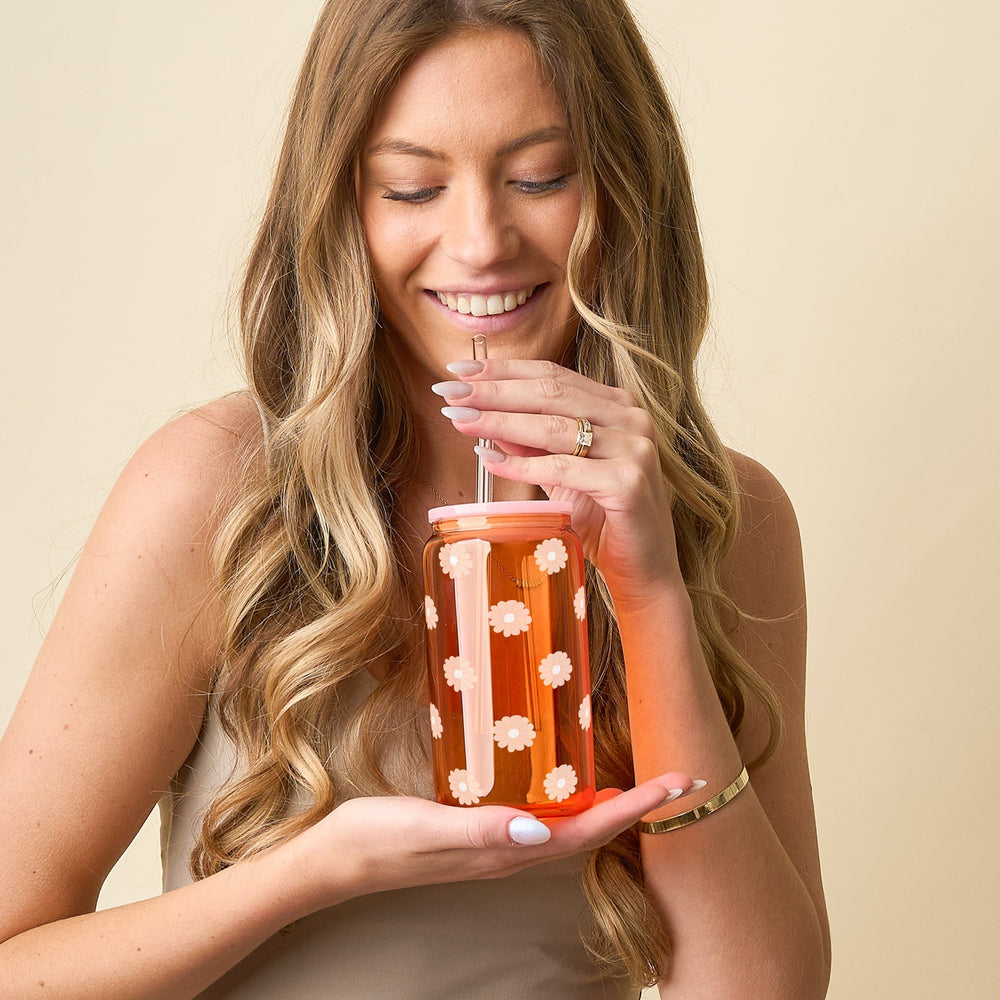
(484, 478)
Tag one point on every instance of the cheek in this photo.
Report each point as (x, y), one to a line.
(559, 228)
(394, 245)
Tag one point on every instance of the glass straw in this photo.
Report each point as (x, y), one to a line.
(484, 478)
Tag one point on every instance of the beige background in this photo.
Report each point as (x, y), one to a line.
(845, 158)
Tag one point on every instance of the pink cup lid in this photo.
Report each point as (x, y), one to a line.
(463, 510)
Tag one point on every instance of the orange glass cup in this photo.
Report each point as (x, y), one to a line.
(507, 658)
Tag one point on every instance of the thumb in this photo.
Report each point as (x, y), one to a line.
(494, 827)
(527, 830)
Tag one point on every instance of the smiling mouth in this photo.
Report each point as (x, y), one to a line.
(485, 305)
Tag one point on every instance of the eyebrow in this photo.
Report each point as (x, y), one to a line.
(551, 133)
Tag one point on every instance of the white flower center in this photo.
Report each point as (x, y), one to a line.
(561, 783)
(509, 617)
(556, 668)
(463, 787)
(513, 734)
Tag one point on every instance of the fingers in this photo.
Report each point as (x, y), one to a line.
(531, 408)
(512, 412)
(536, 434)
(614, 483)
(679, 783)
(441, 828)
(618, 812)
(553, 383)
(493, 827)
(542, 387)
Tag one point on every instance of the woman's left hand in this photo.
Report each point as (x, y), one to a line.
(621, 506)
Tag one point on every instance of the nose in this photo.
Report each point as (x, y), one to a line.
(479, 232)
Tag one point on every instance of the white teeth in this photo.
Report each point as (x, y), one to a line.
(485, 305)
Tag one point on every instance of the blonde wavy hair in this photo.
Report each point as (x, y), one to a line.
(310, 558)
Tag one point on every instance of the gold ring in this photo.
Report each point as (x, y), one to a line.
(584, 437)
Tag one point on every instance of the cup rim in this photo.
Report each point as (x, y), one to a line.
(458, 510)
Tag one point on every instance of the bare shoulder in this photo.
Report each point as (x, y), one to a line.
(159, 523)
(200, 449)
(763, 575)
(763, 570)
(176, 487)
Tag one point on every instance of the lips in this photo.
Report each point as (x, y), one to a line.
(474, 304)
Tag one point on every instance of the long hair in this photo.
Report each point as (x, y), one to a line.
(309, 558)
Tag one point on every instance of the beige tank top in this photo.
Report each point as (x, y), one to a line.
(501, 939)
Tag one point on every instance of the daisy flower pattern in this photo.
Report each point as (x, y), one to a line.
(430, 612)
(584, 714)
(466, 788)
(436, 727)
(459, 673)
(551, 555)
(555, 669)
(579, 604)
(560, 783)
(510, 617)
(513, 732)
(455, 559)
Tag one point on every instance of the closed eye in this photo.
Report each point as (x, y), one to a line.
(537, 187)
(427, 194)
(415, 197)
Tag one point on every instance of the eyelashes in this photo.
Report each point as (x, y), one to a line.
(536, 187)
(415, 197)
(425, 195)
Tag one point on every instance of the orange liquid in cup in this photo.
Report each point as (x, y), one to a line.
(507, 660)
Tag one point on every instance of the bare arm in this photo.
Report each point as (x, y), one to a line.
(740, 891)
(115, 699)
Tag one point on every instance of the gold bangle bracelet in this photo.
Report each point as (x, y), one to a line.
(699, 812)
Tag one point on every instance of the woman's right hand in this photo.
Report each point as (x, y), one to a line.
(379, 843)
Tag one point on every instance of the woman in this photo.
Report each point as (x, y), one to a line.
(242, 629)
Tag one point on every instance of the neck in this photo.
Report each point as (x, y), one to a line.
(448, 490)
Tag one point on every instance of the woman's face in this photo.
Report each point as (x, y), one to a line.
(470, 199)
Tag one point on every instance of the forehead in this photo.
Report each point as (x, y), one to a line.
(475, 81)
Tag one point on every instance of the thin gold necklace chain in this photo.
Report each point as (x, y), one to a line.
(523, 584)
(434, 492)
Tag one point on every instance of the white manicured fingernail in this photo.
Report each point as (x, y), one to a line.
(453, 390)
(489, 454)
(461, 414)
(465, 366)
(673, 793)
(525, 830)
(696, 786)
